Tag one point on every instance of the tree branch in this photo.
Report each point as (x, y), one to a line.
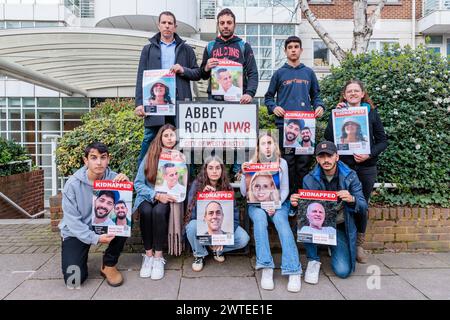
(323, 34)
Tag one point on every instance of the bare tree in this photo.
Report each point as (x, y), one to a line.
(364, 19)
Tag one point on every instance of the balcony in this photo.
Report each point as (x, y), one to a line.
(435, 17)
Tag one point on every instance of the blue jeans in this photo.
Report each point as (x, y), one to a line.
(340, 255)
(241, 239)
(290, 261)
(149, 135)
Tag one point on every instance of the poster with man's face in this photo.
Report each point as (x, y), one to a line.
(111, 207)
(317, 211)
(262, 181)
(172, 174)
(226, 81)
(299, 132)
(159, 92)
(215, 218)
(351, 130)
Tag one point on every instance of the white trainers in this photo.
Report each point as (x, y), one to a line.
(294, 284)
(267, 279)
(198, 263)
(312, 272)
(146, 268)
(158, 268)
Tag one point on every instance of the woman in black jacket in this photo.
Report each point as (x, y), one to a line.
(365, 165)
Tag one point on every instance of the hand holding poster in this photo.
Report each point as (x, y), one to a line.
(263, 183)
(215, 225)
(226, 81)
(300, 131)
(159, 92)
(111, 207)
(351, 130)
(172, 174)
(317, 212)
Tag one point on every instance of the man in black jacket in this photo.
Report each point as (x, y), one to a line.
(231, 47)
(166, 50)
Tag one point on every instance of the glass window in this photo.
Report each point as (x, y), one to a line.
(12, 24)
(283, 30)
(284, 3)
(46, 24)
(75, 103)
(239, 30)
(435, 39)
(233, 3)
(253, 41)
(28, 102)
(266, 29)
(434, 49)
(320, 58)
(252, 3)
(265, 41)
(27, 24)
(280, 56)
(48, 102)
(252, 29)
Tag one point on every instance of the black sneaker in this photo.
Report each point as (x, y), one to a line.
(198, 263)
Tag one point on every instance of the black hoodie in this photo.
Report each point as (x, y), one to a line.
(231, 50)
(151, 59)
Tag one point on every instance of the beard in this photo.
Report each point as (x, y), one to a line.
(100, 215)
(290, 137)
(121, 216)
(306, 139)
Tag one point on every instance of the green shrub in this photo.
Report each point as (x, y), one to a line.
(111, 122)
(412, 92)
(11, 151)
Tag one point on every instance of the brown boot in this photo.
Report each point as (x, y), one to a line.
(112, 276)
(361, 255)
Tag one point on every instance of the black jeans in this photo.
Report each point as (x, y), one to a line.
(74, 254)
(298, 165)
(154, 223)
(367, 176)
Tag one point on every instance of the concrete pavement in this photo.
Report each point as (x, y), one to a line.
(35, 274)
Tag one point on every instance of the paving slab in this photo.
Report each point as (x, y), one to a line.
(435, 284)
(136, 288)
(133, 261)
(360, 269)
(234, 266)
(324, 290)
(219, 288)
(23, 262)
(391, 288)
(443, 256)
(53, 289)
(411, 260)
(11, 280)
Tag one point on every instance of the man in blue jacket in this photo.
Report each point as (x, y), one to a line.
(296, 89)
(166, 50)
(333, 175)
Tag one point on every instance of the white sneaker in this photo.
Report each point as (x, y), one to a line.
(267, 279)
(294, 284)
(312, 272)
(146, 268)
(158, 268)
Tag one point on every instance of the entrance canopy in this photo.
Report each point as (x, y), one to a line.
(76, 60)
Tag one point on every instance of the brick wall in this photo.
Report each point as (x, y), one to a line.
(343, 9)
(408, 229)
(25, 189)
(56, 212)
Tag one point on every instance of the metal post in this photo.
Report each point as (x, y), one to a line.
(54, 139)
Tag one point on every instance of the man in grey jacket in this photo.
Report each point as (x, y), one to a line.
(76, 225)
(166, 50)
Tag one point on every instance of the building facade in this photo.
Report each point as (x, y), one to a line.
(59, 58)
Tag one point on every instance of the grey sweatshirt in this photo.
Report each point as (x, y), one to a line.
(77, 207)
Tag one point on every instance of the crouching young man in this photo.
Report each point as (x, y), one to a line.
(76, 232)
(333, 175)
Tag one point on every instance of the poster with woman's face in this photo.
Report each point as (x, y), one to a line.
(159, 92)
(263, 184)
(351, 130)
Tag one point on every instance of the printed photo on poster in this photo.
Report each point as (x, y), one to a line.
(111, 207)
(215, 213)
(317, 212)
(262, 181)
(172, 174)
(351, 130)
(299, 132)
(226, 81)
(159, 92)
